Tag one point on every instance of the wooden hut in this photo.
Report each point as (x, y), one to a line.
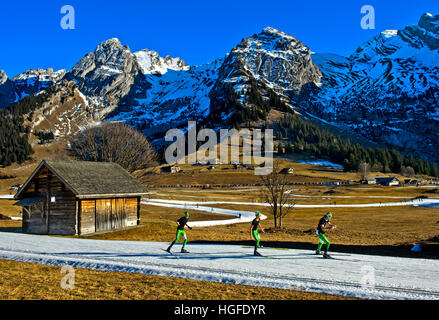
(79, 197)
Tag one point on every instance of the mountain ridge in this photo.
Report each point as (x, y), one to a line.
(385, 91)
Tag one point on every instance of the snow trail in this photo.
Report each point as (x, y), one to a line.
(242, 216)
(395, 278)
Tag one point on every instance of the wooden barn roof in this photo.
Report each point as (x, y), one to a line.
(88, 179)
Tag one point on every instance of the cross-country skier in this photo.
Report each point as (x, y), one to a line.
(321, 229)
(254, 231)
(181, 223)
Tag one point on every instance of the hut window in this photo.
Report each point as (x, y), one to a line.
(53, 199)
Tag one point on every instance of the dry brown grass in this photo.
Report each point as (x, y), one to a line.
(7, 208)
(21, 172)
(29, 281)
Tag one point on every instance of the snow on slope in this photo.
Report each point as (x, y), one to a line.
(395, 278)
(176, 96)
(152, 63)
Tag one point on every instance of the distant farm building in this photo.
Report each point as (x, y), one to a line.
(371, 181)
(79, 197)
(387, 181)
(287, 171)
(171, 169)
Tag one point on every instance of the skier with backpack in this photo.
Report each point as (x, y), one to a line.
(256, 223)
(320, 232)
(181, 223)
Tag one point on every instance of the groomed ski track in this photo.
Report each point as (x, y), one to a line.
(348, 274)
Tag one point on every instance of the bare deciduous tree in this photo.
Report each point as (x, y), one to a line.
(363, 170)
(407, 171)
(276, 192)
(114, 142)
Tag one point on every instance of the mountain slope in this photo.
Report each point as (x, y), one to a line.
(387, 90)
(7, 90)
(27, 83)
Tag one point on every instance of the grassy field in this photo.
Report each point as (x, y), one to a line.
(29, 281)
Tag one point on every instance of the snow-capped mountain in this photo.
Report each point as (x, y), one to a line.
(152, 63)
(27, 83)
(386, 91)
(269, 61)
(33, 81)
(172, 99)
(110, 72)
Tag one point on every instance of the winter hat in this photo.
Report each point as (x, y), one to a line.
(257, 213)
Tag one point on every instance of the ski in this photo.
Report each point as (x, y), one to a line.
(266, 257)
(170, 253)
(283, 249)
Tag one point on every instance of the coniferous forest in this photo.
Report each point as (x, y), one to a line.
(303, 136)
(14, 134)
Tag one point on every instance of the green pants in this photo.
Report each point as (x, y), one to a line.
(255, 234)
(323, 240)
(181, 233)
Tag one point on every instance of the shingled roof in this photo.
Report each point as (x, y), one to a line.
(88, 179)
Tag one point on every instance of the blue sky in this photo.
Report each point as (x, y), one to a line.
(197, 31)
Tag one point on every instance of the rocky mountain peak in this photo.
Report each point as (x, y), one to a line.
(3, 77)
(112, 54)
(40, 75)
(430, 22)
(108, 72)
(7, 90)
(271, 39)
(276, 58)
(425, 33)
(152, 63)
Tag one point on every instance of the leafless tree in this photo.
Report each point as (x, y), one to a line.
(114, 142)
(363, 170)
(407, 171)
(276, 192)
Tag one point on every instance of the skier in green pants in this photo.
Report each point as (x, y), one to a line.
(255, 233)
(181, 223)
(320, 232)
